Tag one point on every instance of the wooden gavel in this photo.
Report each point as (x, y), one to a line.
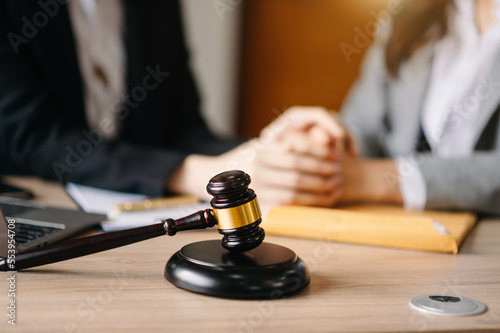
(235, 210)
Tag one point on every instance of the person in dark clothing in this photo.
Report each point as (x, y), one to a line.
(100, 93)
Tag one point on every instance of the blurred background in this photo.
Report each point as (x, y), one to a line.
(254, 58)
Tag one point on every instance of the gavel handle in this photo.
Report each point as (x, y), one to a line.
(92, 244)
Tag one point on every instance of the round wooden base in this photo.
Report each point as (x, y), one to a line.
(269, 271)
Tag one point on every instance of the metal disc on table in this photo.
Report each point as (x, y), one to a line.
(447, 305)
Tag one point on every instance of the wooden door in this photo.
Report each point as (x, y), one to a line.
(301, 52)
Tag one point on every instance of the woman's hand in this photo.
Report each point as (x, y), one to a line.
(301, 175)
(299, 160)
(324, 126)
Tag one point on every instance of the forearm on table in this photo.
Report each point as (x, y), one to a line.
(371, 180)
(193, 174)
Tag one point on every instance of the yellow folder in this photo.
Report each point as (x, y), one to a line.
(374, 225)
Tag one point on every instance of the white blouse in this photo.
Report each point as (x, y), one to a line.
(462, 61)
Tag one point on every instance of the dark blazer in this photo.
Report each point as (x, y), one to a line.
(43, 127)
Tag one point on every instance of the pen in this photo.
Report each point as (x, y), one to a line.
(155, 203)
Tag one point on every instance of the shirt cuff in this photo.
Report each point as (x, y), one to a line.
(411, 184)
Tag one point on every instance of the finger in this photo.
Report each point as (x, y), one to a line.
(299, 162)
(352, 146)
(298, 181)
(348, 143)
(305, 118)
(335, 145)
(282, 196)
(320, 136)
(304, 143)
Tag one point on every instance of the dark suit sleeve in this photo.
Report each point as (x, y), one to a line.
(38, 137)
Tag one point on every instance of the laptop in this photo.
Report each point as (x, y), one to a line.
(35, 225)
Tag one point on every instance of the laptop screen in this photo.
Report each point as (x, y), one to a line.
(34, 225)
(6, 230)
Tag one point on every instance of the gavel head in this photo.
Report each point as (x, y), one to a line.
(237, 211)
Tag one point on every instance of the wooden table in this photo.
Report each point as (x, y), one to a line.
(354, 288)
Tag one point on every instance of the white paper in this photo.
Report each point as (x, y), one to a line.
(94, 200)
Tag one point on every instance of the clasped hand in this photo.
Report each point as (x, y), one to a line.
(300, 158)
(304, 157)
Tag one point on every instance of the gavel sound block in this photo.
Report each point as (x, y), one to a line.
(240, 266)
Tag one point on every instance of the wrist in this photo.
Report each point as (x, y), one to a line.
(192, 176)
(381, 175)
(189, 178)
(371, 180)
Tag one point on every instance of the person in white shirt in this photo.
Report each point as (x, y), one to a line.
(422, 122)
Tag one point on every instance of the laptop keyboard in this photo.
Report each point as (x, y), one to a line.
(27, 232)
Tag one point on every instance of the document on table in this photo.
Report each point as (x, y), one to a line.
(374, 225)
(94, 200)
